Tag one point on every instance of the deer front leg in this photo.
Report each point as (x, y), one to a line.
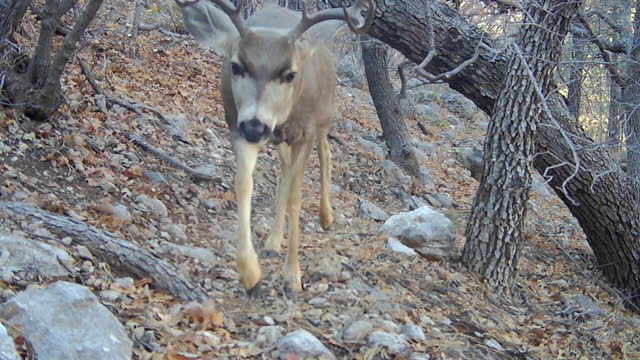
(326, 213)
(292, 276)
(246, 257)
(272, 246)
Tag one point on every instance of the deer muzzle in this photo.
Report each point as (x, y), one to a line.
(254, 131)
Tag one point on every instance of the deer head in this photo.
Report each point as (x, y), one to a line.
(263, 65)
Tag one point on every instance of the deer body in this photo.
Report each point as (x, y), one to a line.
(278, 85)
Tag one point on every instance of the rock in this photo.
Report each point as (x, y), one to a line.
(175, 231)
(269, 335)
(302, 344)
(395, 343)
(319, 302)
(65, 321)
(471, 159)
(325, 263)
(122, 213)
(444, 199)
(372, 211)
(425, 177)
(493, 344)
(356, 331)
(33, 258)
(414, 332)
(126, 283)
(420, 356)
(4, 148)
(430, 112)
(395, 174)
(458, 104)
(155, 206)
(349, 69)
(448, 135)
(425, 230)
(211, 204)
(372, 147)
(587, 305)
(202, 254)
(108, 186)
(155, 177)
(7, 347)
(396, 246)
(83, 252)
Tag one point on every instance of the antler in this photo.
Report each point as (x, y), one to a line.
(232, 12)
(351, 15)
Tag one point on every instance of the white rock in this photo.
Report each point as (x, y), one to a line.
(396, 343)
(357, 331)
(371, 146)
(155, 206)
(413, 332)
(396, 246)
(302, 344)
(425, 230)
(202, 254)
(122, 213)
(269, 335)
(7, 347)
(372, 211)
(19, 254)
(65, 321)
(175, 231)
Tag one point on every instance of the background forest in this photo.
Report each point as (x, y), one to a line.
(485, 188)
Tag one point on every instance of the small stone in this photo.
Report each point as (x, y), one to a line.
(175, 231)
(83, 252)
(211, 204)
(444, 199)
(269, 335)
(357, 331)
(372, 211)
(413, 332)
(155, 177)
(319, 302)
(125, 283)
(155, 206)
(108, 186)
(110, 295)
(302, 344)
(345, 276)
(396, 343)
(268, 320)
(396, 246)
(122, 213)
(493, 344)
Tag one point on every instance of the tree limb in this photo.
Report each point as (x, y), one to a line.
(118, 253)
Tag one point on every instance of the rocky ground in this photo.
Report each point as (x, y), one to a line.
(366, 296)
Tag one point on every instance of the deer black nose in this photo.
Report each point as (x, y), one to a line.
(254, 131)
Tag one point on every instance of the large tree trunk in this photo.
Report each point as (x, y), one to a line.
(495, 228)
(394, 129)
(599, 198)
(631, 96)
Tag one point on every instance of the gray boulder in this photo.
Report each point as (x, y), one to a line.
(458, 104)
(471, 158)
(426, 230)
(66, 321)
(7, 347)
(31, 258)
(372, 211)
(302, 344)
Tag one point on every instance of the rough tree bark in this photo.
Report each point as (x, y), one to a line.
(597, 195)
(394, 129)
(33, 85)
(495, 228)
(574, 91)
(120, 254)
(630, 95)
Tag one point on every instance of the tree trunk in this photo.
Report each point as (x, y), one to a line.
(631, 96)
(614, 129)
(578, 55)
(495, 228)
(598, 197)
(394, 130)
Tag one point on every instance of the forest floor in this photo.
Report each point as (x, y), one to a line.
(82, 162)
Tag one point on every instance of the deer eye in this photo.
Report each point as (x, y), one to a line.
(237, 69)
(289, 77)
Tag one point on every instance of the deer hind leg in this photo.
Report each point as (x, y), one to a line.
(299, 156)
(246, 257)
(272, 246)
(326, 213)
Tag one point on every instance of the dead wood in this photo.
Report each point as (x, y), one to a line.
(120, 254)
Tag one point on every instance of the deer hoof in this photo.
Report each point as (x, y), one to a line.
(259, 289)
(291, 290)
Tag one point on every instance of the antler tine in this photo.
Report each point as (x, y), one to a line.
(234, 13)
(349, 14)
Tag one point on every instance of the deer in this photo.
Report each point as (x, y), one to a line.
(278, 86)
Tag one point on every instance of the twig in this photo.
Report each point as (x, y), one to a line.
(337, 139)
(195, 174)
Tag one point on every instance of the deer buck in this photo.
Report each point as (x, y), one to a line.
(278, 85)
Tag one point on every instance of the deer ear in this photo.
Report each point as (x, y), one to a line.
(210, 26)
(305, 48)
